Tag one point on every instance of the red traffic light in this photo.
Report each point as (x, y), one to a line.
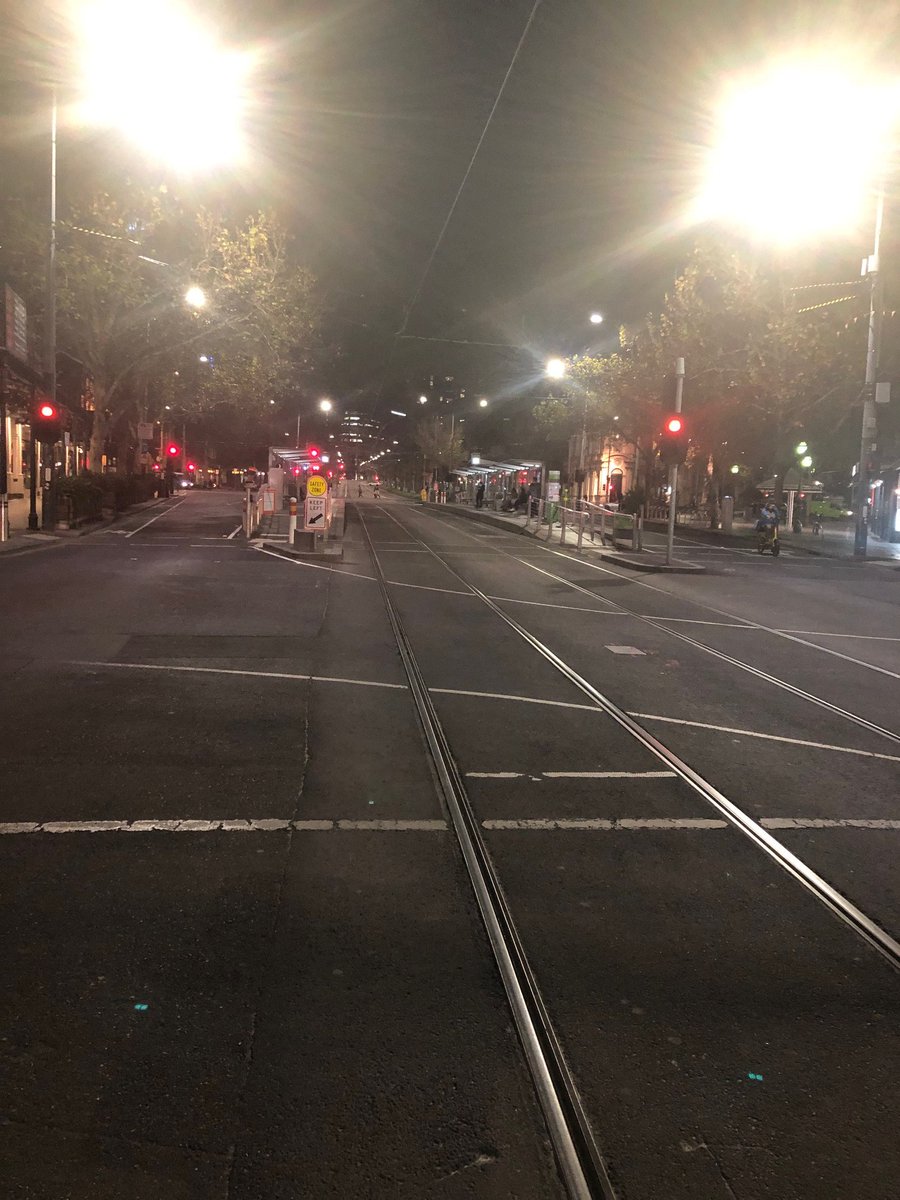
(48, 412)
(192, 466)
(172, 450)
(674, 425)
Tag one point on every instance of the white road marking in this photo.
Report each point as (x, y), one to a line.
(375, 683)
(421, 587)
(392, 826)
(863, 637)
(132, 532)
(770, 737)
(402, 687)
(275, 824)
(297, 562)
(610, 774)
(234, 532)
(626, 650)
(827, 823)
(260, 825)
(607, 824)
(571, 775)
(520, 699)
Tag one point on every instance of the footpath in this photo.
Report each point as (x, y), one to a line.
(23, 541)
(836, 542)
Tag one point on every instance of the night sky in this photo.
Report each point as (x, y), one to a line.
(367, 114)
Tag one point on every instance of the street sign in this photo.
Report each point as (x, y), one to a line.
(316, 485)
(145, 431)
(314, 512)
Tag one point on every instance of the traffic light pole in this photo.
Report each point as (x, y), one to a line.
(673, 470)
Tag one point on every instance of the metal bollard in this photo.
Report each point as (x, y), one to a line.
(292, 519)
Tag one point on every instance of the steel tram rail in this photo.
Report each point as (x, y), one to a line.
(581, 1162)
(861, 924)
(783, 684)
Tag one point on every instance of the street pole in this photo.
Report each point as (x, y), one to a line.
(47, 514)
(673, 470)
(298, 430)
(867, 445)
(4, 461)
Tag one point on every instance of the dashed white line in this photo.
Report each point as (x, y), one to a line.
(425, 825)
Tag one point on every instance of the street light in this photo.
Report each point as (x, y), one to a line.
(325, 406)
(423, 399)
(799, 152)
(596, 318)
(555, 368)
(163, 81)
(195, 297)
(482, 403)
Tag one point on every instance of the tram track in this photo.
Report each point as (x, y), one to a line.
(582, 1163)
(662, 627)
(580, 1160)
(850, 914)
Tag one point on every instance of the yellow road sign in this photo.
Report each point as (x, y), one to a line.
(316, 485)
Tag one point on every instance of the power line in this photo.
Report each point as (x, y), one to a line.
(401, 332)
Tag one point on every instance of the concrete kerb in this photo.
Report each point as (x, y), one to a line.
(24, 541)
(747, 540)
(642, 560)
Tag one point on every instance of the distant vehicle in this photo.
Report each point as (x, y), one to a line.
(180, 480)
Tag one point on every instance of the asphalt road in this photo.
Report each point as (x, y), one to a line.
(244, 959)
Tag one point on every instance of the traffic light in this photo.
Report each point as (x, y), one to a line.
(191, 466)
(46, 422)
(313, 452)
(172, 450)
(674, 439)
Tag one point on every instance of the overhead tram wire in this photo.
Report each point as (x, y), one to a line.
(408, 310)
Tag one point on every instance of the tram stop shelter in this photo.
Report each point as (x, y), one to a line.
(501, 479)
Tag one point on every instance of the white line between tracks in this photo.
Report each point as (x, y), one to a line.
(590, 708)
(401, 687)
(132, 532)
(425, 825)
(769, 737)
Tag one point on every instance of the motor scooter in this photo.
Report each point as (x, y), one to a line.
(767, 539)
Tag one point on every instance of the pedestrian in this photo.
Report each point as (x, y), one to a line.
(359, 491)
(522, 498)
(479, 494)
(423, 494)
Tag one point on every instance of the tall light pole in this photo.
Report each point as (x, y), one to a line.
(673, 470)
(868, 444)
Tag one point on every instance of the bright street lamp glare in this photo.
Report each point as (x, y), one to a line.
(797, 152)
(555, 368)
(482, 403)
(162, 80)
(596, 318)
(195, 297)
(325, 406)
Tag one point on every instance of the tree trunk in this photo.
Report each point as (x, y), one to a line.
(99, 432)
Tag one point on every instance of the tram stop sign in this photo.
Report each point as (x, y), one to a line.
(317, 485)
